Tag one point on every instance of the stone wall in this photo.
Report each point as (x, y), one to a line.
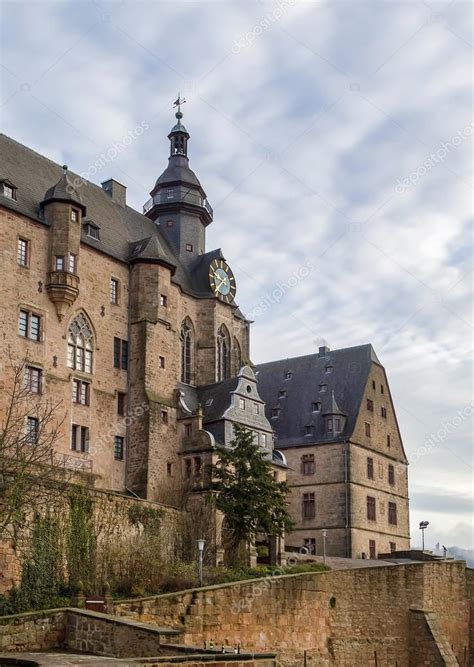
(33, 631)
(346, 618)
(113, 512)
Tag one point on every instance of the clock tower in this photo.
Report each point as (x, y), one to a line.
(178, 202)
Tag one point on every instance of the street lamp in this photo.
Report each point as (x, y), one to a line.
(324, 533)
(423, 526)
(201, 544)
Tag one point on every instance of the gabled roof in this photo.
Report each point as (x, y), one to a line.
(307, 381)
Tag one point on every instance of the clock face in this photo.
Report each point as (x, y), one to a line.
(221, 280)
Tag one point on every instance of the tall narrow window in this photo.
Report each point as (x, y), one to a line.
(79, 438)
(72, 263)
(114, 291)
(120, 353)
(391, 474)
(59, 263)
(370, 468)
(372, 550)
(32, 430)
(367, 430)
(22, 255)
(80, 345)
(33, 379)
(80, 392)
(308, 506)
(392, 514)
(121, 404)
(187, 344)
(118, 447)
(29, 325)
(371, 511)
(223, 353)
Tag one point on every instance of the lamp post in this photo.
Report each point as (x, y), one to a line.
(324, 533)
(201, 554)
(423, 527)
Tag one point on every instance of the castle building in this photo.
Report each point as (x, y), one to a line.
(130, 324)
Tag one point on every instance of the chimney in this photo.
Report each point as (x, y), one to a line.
(323, 351)
(116, 191)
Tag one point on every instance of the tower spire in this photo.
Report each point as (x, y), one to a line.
(179, 135)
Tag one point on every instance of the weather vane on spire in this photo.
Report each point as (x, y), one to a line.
(178, 102)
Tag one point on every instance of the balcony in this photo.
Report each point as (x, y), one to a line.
(172, 195)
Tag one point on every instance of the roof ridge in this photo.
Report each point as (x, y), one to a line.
(315, 354)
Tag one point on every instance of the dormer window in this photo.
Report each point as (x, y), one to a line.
(323, 387)
(288, 375)
(334, 425)
(74, 215)
(8, 190)
(93, 231)
(309, 429)
(276, 412)
(328, 368)
(282, 393)
(316, 407)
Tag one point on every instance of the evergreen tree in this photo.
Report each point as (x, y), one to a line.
(246, 492)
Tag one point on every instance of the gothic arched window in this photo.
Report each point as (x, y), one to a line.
(223, 353)
(80, 345)
(187, 351)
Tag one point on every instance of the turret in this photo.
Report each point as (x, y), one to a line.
(178, 202)
(63, 209)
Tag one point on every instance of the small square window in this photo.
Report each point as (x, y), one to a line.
(164, 416)
(316, 407)
(323, 387)
(164, 301)
(59, 263)
(275, 412)
(282, 393)
(93, 232)
(9, 191)
(23, 254)
(114, 291)
(328, 368)
(74, 215)
(118, 447)
(367, 429)
(162, 362)
(189, 247)
(308, 429)
(169, 223)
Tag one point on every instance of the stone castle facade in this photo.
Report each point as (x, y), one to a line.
(130, 323)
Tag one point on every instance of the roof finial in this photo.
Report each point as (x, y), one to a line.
(65, 168)
(177, 103)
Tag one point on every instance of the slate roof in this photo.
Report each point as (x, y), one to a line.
(345, 384)
(120, 227)
(215, 398)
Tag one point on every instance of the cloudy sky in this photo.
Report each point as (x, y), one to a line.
(333, 140)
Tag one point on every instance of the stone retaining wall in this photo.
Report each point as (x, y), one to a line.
(33, 631)
(344, 618)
